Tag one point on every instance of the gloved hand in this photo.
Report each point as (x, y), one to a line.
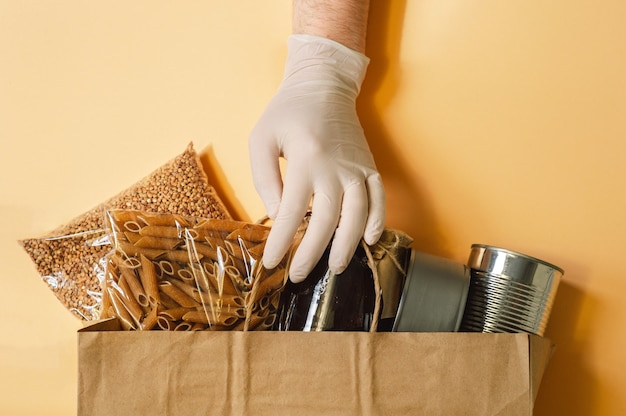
(312, 123)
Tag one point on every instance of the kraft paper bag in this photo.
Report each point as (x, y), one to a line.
(302, 373)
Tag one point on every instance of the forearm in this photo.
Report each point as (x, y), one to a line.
(344, 21)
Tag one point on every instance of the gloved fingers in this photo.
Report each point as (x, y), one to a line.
(264, 162)
(350, 229)
(293, 207)
(322, 225)
(375, 224)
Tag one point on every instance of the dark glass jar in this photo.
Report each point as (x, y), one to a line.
(328, 302)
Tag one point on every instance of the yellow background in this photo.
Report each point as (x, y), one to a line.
(491, 122)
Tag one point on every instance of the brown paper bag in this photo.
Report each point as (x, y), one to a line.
(300, 373)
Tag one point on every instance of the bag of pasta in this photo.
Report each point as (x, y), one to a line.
(173, 272)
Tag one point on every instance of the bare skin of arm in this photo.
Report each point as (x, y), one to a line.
(343, 21)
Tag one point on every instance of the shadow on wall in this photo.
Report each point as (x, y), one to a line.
(568, 386)
(408, 209)
(217, 178)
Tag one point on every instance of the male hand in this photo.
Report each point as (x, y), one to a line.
(312, 123)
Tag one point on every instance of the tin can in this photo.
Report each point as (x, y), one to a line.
(509, 291)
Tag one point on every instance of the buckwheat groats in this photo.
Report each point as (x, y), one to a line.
(70, 258)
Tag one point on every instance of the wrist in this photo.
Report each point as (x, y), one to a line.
(344, 21)
(322, 57)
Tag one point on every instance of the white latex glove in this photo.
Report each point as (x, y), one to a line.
(312, 123)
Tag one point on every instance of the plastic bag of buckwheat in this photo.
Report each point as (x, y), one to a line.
(71, 258)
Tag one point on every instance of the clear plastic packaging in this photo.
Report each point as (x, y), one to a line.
(69, 259)
(173, 272)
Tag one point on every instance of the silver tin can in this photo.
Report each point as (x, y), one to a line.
(509, 291)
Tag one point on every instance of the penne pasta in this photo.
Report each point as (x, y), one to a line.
(197, 250)
(207, 235)
(189, 289)
(181, 273)
(130, 262)
(130, 250)
(194, 275)
(259, 322)
(264, 303)
(251, 235)
(163, 231)
(109, 312)
(126, 319)
(190, 234)
(189, 274)
(227, 321)
(216, 327)
(131, 226)
(160, 219)
(181, 256)
(221, 317)
(177, 295)
(167, 267)
(274, 301)
(121, 216)
(208, 267)
(230, 300)
(167, 302)
(129, 301)
(136, 289)
(175, 314)
(198, 327)
(163, 243)
(241, 326)
(245, 268)
(274, 281)
(183, 326)
(255, 311)
(106, 306)
(257, 250)
(234, 274)
(150, 321)
(233, 248)
(263, 286)
(131, 237)
(148, 278)
(213, 242)
(200, 317)
(268, 322)
(222, 282)
(164, 323)
(222, 227)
